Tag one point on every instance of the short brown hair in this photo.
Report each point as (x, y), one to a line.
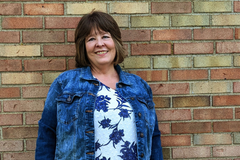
(100, 21)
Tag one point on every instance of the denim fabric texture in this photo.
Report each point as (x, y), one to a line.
(66, 129)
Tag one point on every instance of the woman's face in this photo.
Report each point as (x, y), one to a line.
(100, 48)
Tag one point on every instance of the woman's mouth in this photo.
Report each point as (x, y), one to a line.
(102, 52)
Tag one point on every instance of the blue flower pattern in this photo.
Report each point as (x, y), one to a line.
(111, 116)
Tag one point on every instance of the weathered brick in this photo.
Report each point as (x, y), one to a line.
(71, 63)
(137, 62)
(229, 100)
(19, 132)
(70, 35)
(85, 8)
(191, 127)
(9, 92)
(237, 138)
(236, 6)
(44, 9)
(225, 20)
(172, 34)
(61, 22)
(10, 9)
(151, 49)
(174, 115)
(174, 88)
(164, 128)
(191, 101)
(172, 62)
(230, 126)
(177, 140)
(136, 35)
(31, 144)
(122, 21)
(149, 21)
(225, 151)
(11, 119)
(132, 7)
(193, 48)
(19, 156)
(49, 77)
(208, 139)
(212, 61)
(236, 60)
(171, 7)
(11, 145)
(33, 118)
(153, 75)
(166, 153)
(225, 73)
(191, 152)
(43, 36)
(65, 0)
(228, 47)
(236, 87)
(23, 105)
(45, 65)
(211, 87)
(59, 50)
(237, 33)
(9, 37)
(35, 92)
(21, 78)
(190, 20)
(21, 0)
(212, 7)
(213, 33)
(189, 74)
(10, 65)
(22, 22)
(19, 51)
(213, 113)
(161, 102)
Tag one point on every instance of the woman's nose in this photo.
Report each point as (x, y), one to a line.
(99, 42)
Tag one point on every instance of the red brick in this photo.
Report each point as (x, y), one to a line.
(191, 101)
(11, 145)
(229, 100)
(9, 37)
(230, 126)
(23, 105)
(156, 75)
(174, 115)
(189, 74)
(65, 0)
(10, 9)
(232, 73)
(45, 65)
(213, 113)
(228, 47)
(237, 113)
(171, 7)
(174, 88)
(191, 152)
(161, 102)
(164, 128)
(236, 6)
(191, 127)
(71, 35)
(11, 119)
(172, 34)
(10, 92)
(59, 50)
(213, 33)
(31, 144)
(19, 156)
(43, 36)
(193, 48)
(19, 132)
(178, 140)
(61, 22)
(20, 0)
(22, 22)
(71, 63)
(226, 151)
(10, 65)
(151, 49)
(236, 87)
(35, 92)
(33, 118)
(44, 9)
(136, 35)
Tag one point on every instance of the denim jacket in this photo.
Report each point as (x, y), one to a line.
(66, 129)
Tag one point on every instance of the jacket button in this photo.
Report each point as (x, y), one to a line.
(120, 86)
(96, 84)
(141, 135)
(139, 114)
(69, 99)
(142, 155)
(132, 98)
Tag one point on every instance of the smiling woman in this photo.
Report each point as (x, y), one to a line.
(98, 111)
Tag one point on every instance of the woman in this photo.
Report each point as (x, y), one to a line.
(97, 111)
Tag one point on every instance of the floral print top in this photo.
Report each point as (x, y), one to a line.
(114, 124)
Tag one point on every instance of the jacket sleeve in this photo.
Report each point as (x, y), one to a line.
(46, 141)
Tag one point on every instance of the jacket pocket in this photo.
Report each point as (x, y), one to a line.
(67, 107)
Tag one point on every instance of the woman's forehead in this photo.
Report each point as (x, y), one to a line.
(95, 31)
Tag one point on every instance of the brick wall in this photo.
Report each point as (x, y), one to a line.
(188, 51)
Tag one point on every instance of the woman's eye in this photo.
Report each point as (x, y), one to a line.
(90, 39)
(105, 36)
